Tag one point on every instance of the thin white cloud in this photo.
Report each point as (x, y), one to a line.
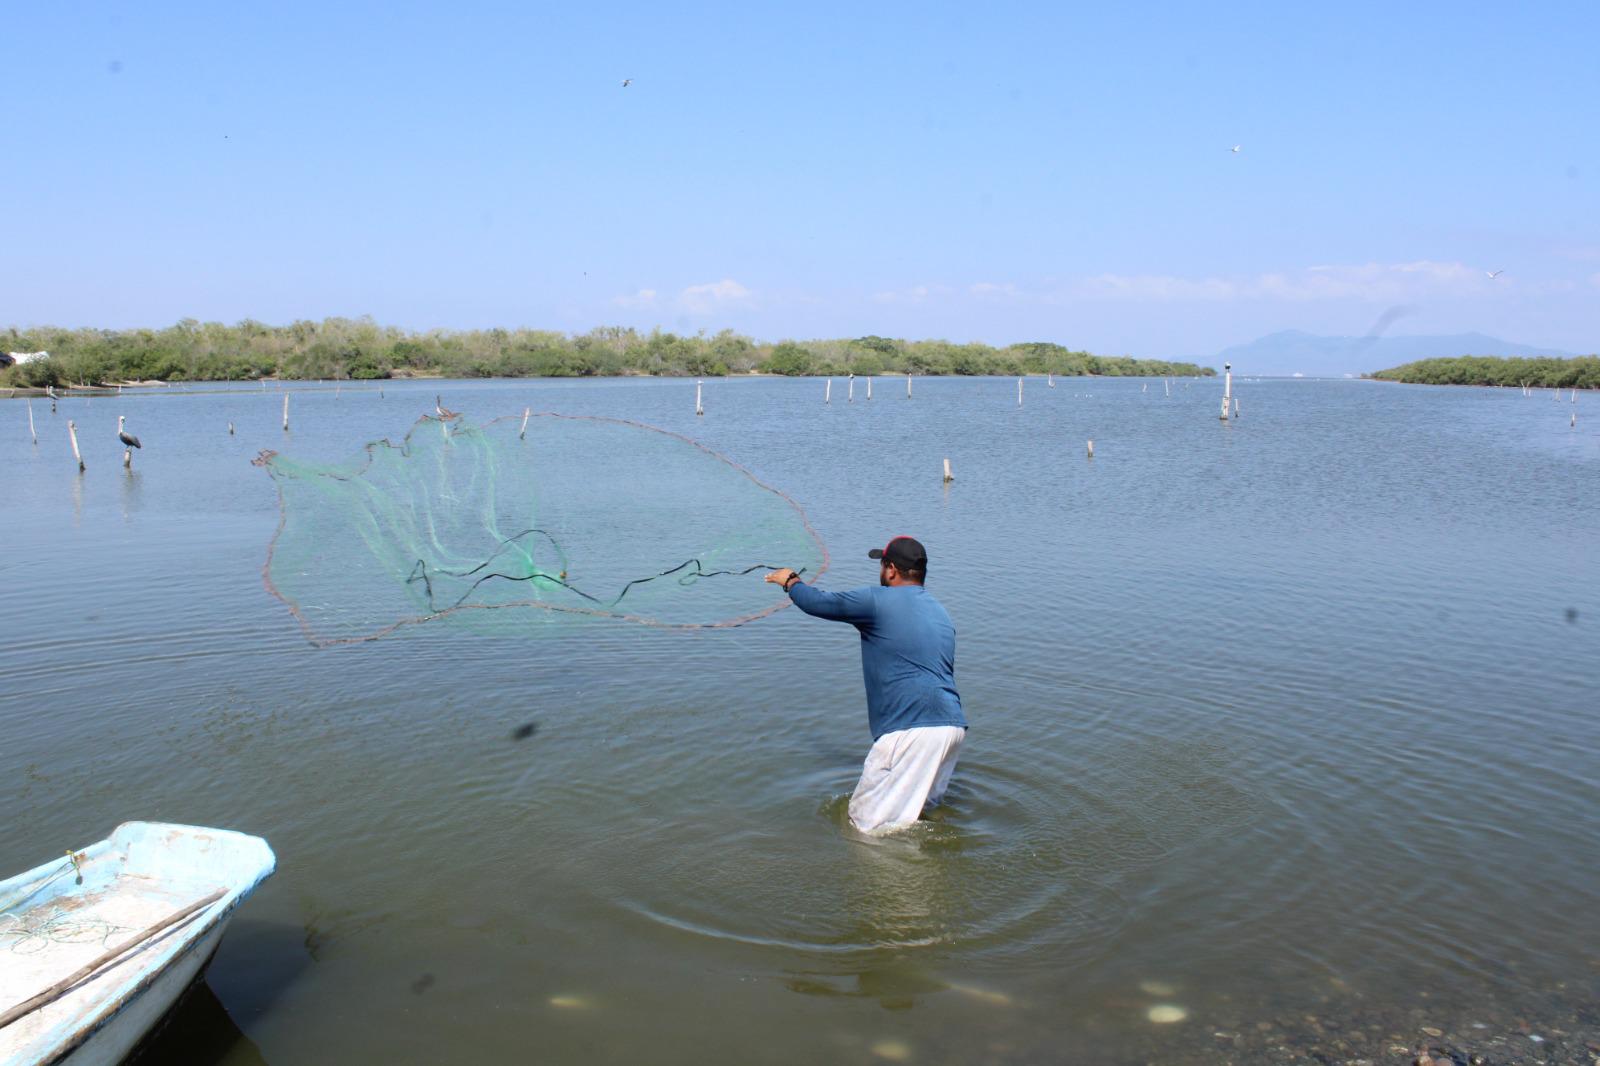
(1377, 282)
(915, 294)
(1161, 288)
(714, 296)
(1381, 282)
(642, 298)
(994, 290)
(1422, 267)
(709, 298)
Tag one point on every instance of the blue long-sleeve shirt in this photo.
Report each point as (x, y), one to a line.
(908, 652)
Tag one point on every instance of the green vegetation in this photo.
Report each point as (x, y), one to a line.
(1580, 373)
(342, 348)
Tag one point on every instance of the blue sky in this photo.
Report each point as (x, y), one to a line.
(976, 172)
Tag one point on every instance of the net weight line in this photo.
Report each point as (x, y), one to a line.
(420, 572)
(273, 574)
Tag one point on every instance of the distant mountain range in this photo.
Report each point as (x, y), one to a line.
(1292, 351)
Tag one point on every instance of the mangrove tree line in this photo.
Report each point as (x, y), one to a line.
(344, 348)
(1582, 372)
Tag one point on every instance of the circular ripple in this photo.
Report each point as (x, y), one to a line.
(1019, 857)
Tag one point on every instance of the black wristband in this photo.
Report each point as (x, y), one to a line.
(787, 585)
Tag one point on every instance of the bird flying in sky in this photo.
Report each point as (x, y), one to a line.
(1235, 148)
(1494, 273)
(626, 82)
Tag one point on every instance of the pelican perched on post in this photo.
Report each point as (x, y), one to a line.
(129, 441)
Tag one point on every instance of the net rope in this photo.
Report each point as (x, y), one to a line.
(612, 519)
(32, 931)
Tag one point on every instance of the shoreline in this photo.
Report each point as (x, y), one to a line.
(225, 385)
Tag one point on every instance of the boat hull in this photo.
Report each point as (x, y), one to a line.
(101, 945)
(116, 1038)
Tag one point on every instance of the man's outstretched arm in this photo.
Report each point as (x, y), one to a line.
(855, 606)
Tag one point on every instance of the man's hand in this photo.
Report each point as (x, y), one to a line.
(781, 576)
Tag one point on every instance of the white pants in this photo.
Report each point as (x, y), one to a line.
(905, 772)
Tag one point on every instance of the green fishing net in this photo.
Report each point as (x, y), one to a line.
(529, 522)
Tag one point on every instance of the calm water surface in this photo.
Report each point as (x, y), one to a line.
(1288, 722)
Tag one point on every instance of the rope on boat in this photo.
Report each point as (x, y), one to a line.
(62, 927)
(36, 889)
(66, 984)
(58, 928)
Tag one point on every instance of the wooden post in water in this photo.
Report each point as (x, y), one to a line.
(869, 388)
(699, 408)
(1236, 407)
(1091, 449)
(948, 476)
(31, 431)
(72, 432)
(908, 386)
(523, 432)
(1050, 379)
(1019, 392)
(286, 412)
(850, 390)
(230, 429)
(1227, 390)
(827, 392)
(338, 389)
